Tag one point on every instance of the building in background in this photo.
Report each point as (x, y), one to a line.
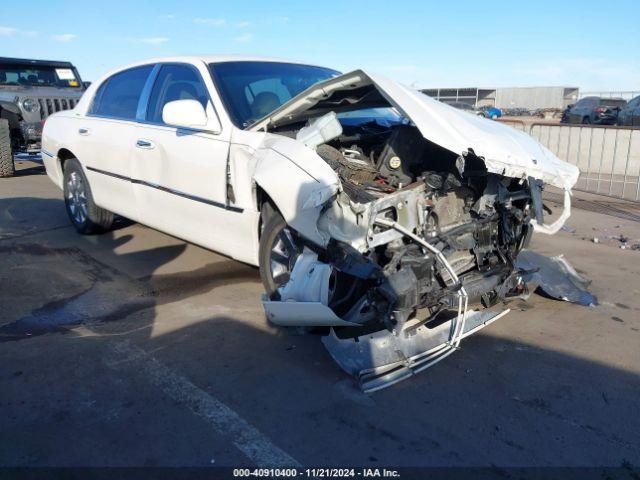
(531, 98)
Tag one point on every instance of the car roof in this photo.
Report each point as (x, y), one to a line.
(211, 59)
(27, 61)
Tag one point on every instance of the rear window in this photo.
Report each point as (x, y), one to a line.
(118, 97)
(613, 102)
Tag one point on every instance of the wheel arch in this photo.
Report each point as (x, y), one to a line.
(265, 205)
(62, 155)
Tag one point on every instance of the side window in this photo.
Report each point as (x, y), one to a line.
(175, 82)
(118, 97)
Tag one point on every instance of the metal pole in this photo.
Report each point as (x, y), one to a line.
(638, 180)
(626, 164)
(613, 160)
(579, 149)
(604, 132)
(589, 157)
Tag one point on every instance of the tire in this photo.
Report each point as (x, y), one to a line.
(85, 215)
(279, 249)
(7, 167)
(586, 121)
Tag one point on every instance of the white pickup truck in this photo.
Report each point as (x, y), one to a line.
(373, 211)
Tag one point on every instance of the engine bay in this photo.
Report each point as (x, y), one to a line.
(478, 220)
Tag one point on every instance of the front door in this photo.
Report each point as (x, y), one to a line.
(180, 174)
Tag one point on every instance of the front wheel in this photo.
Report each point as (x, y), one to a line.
(7, 167)
(280, 247)
(85, 215)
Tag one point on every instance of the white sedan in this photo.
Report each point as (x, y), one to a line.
(372, 210)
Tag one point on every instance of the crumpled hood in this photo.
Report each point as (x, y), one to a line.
(505, 150)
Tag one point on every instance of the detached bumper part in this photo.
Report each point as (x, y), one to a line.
(384, 358)
(306, 314)
(557, 225)
(556, 277)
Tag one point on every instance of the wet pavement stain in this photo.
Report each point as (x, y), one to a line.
(98, 304)
(110, 294)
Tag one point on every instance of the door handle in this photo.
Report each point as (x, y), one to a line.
(83, 131)
(144, 144)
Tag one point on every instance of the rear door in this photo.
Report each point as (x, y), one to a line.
(574, 115)
(181, 174)
(634, 112)
(105, 140)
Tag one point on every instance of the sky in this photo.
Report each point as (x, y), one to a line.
(483, 43)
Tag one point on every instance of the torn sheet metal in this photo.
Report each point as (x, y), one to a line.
(556, 278)
(381, 359)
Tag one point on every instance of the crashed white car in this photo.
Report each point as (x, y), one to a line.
(388, 219)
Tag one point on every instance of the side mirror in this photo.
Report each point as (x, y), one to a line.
(570, 106)
(188, 114)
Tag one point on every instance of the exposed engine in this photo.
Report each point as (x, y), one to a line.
(477, 220)
(415, 248)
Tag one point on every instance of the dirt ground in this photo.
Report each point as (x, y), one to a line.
(136, 349)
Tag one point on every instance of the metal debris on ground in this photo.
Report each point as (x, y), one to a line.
(555, 277)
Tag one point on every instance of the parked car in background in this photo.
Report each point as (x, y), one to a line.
(630, 114)
(594, 110)
(489, 112)
(30, 91)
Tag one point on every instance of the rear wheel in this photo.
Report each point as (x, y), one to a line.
(7, 167)
(85, 215)
(279, 250)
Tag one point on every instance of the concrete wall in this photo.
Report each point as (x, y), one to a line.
(511, 97)
(536, 97)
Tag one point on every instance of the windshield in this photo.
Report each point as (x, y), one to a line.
(38, 76)
(251, 90)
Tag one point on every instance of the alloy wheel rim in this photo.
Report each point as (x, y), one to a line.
(77, 198)
(283, 256)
